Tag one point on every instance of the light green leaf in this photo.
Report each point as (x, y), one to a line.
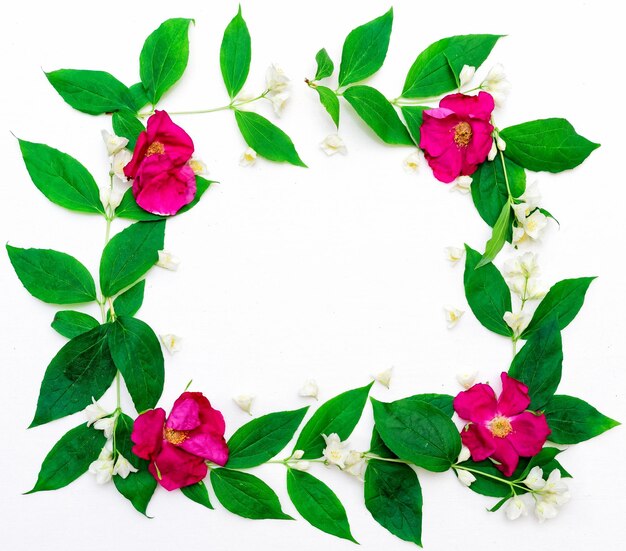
(70, 324)
(501, 229)
(325, 65)
(329, 100)
(198, 492)
(235, 55)
(127, 125)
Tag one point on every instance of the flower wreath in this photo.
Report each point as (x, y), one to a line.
(500, 447)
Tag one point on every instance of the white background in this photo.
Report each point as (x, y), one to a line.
(332, 273)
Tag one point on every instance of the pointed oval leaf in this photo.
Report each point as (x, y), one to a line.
(501, 229)
(70, 324)
(325, 65)
(129, 302)
(329, 100)
(198, 492)
(414, 116)
(235, 55)
(127, 125)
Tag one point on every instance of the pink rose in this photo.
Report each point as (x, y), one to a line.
(501, 428)
(456, 137)
(162, 181)
(179, 446)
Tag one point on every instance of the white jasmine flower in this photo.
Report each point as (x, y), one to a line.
(466, 75)
(545, 510)
(531, 195)
(333, 144)
(105, 196)
(453, 315)
(497, 84)
(309, 389)
(123, 467)
(248, 157)
(244, 401)
(113, 143)
(94, 412)
(275, 79)
(464, 455)
(467, 378)
(106, 424)
(168, 261)
(536, 289)
(384, 377)
(118, 189)
(454, 254)
(465, 477)
(521, 210)
(534, 224)
(462, 184)
(412, 162)
(355, 464)
(198, 166)
(534, 480)
(515, 508)
(335, 451)
(119, 161)
(500, 143)
(296, 462)
(171, 342)
(103, 466)
(519, 235)
(555, 490)
(520, 274)
(517, 322)
(298, 454)
(493, 152)
(278, 102)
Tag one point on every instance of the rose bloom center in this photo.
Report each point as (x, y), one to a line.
(500, 427)
(175, 437)
(462, 134)
(159, 148)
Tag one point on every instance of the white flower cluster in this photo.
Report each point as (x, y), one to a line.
(277, 86)
(111, 195)
(529, 220)
(107, 465)
(337, 453)
(548, 496)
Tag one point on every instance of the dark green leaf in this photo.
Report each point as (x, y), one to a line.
(329, 100)
(538, 364)
(490, 485)
(69, 458)
(137, 354)
(573, 420)
(394, 498)
(440, 401)
(339, 415)
(127, 125)
(261, 439)
(129, 302)
(378, 114)
(235, 55)
(413, 116)
(501, 229)
(130, 210)
(487, 293)
(61, 178)
(70, 324)
(82, 369)
(431, 73)
(198, 492)
(547, 144)
(378, 447)
(418, 432)
(92, 92)
(318, 504)
(129, 255)
(164, 57)
(140, 98)
(246, 495)
(267, 139)
(365, 49)
(51, 276)
(325, 65)
(489, 189)
(564, 300)
(543, 458)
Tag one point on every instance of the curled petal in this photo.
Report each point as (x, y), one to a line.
(208, 445)
(479, 107)
(514, 396)
(185, 414)
(147, 433)
(479, 441)
(478, 404)
(529, 434)
(506, 455)
(174, 468)
(177, 144)
(436, 133)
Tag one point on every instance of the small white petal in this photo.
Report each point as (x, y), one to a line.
(245, 401)
(465, 477)
(168, 261)
(300, 465)
(544, 510)
(384, 377)
(534, 224)
(198, 166)
(515, 508)
(466, 75)
(453, 315)
(492, 152)
(464, 455)
(113, 143)
(248, 157)
(412, 162)
(94, 412)
(276, 80)
(298, 454)
(535, 480)
(462, 184)
(335, 451)
(467, 378)
(501, 143)
(454, 254)
(119, 161)
(309, 389)
(279, 101)
(171, 342)
(517, 322)
(106, 424)
(333, 144)
(123, 467)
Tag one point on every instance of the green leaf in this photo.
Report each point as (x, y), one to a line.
(70, 324)
(129, 302)
(338, 415)
(489, 190)
(365, 49)
(198, 492)
(489, 485)
(501, 229)
(564, 300)
(413, 116)
(235, 55)
(69, 458)
(440, 401)
(81, 369)
(487, 293)
(92, 92)
(129, 255)
(318, 504)
(539, 363)
(138, 93)
(543, 458)
(325, 65)
(378, 447)
(51, 276)
(418, 432)
(394, 498)
(127, 125)
(61, 178)
(262, 438)
(137, 354)
(164, 57)
(130, 210)
(329, 100)
(546, 144)
(378, 114)
(267, 139)
(573, 420)
(246, 495)
(431, 73)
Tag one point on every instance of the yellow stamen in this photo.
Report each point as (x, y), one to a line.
(462, 134)
(500, 427)
(176, 437)
(158, 148)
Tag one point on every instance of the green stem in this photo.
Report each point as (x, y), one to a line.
(491, 476)
(388, 459)
(232, 105)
